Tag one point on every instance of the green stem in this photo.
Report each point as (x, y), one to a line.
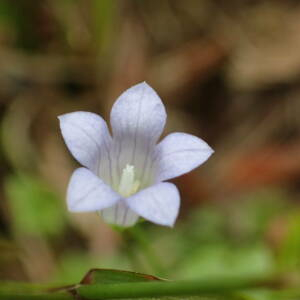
(235, 287)
(138, 235)
(158, 289)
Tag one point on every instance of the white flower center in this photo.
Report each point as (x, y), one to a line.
(128, 185)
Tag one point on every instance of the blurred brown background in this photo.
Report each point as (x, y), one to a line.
(227, 71)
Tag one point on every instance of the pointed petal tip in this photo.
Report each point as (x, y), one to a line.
(73, 208)
(180, 153)
(143, 84)
(169, 224)
(63, 117)
(60, 117)
(211, 150)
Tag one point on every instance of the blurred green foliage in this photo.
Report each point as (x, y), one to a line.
(225, 260)
(35, 208)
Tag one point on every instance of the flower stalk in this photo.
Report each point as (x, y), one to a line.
(136, 233)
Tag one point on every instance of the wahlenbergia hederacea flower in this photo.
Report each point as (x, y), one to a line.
(124, 173)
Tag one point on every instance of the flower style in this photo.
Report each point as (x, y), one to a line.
(124, 174)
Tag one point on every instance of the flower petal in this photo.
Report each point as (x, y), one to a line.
(158, 203)
(138, 112)
(119, 214)
(87, 192)
(179, 153)
(137, 118)
(87, 137)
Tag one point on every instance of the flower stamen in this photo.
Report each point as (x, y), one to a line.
(128, 185)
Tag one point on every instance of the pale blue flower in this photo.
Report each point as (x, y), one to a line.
(124, 174)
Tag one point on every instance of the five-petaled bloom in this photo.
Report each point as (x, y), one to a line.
(124, 174)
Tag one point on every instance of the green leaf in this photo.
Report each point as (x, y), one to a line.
(115, 276)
